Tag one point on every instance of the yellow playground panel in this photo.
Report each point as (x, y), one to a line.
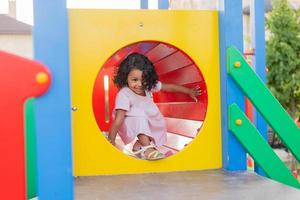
(95, 35)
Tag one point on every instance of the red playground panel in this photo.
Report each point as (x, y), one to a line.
(20, 79)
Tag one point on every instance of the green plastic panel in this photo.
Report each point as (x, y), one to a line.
(258, 148)
(30, 149)
(263, 100)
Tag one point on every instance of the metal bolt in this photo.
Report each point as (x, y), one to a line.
(74, 108)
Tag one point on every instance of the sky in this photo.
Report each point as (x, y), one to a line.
(24, 8)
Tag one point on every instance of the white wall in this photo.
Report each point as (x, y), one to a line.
(18, 44)
(3, 6)
(194, 4)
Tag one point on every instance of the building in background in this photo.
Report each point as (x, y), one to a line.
(15, 36)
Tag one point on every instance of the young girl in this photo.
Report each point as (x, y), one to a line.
(135, 114)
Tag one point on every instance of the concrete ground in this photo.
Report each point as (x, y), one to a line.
(206, 185)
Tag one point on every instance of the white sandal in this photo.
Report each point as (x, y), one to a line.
(153, 155)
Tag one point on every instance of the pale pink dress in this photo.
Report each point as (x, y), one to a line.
(142, 116)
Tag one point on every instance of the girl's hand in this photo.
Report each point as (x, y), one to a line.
(194, 92)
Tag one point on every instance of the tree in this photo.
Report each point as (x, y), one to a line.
(283, 56)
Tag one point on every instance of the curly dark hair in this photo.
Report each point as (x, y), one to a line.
(140, 62)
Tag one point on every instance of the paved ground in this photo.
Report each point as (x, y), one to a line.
(206, 185)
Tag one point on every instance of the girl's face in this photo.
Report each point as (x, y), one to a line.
(135, 81)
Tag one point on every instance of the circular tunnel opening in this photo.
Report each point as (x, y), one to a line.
(183, 116)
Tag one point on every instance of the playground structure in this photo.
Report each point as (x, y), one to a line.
(170, 63)
(99, 40)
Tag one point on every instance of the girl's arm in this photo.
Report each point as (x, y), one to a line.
(192, 92)
(120, 115)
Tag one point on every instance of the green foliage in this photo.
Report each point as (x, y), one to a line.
(283, 55)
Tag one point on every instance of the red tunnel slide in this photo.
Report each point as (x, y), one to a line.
(183, 115)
